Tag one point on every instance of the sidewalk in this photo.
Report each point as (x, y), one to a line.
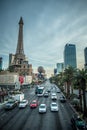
(74, 110)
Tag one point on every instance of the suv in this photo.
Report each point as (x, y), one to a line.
(11, 104)
(78, 123)
(62, 99)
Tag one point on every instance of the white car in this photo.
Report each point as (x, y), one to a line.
(53, 96)
(23, 103)
(42, 108)
(54, 106)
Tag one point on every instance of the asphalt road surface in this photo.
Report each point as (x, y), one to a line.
(30, 119)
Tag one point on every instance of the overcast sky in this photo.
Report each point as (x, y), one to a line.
(48, 26)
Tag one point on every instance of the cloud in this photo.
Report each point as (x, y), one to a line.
(48, 26)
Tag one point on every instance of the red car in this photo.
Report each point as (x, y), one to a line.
(34, 104)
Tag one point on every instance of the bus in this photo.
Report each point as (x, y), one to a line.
(39, 90)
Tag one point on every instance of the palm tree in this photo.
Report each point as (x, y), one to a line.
(82, 77)
(69, 74)
(60, 78)
(77, 85)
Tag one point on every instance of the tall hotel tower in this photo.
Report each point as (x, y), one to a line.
(18, 62)
(70, 56)
(85, 55)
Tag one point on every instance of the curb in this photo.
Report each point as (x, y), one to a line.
(72, 108)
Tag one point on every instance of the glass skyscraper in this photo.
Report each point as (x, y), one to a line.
(60, 67)
(85, 55)
(70, 56)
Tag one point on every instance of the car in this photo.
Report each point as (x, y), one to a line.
(46, 94)
(77, 123)
(23, 103)
(53, 96)
(58, 90)
(42, 108)
(34, 104)
(11, 104)
(54, 106)
(62, 99)
(48, 90)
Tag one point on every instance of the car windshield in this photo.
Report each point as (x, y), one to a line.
(53, 94)
(42, 106)
(62, 97)
(46, 92)
(11, 102)
(78, 119)
(34, 102)
(54, 105)
(23, 102)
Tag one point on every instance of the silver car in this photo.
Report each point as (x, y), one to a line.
(53, 96)
(54, 106)
(23, 103)
(42, 108)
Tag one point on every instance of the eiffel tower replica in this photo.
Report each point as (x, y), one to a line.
(18, 62)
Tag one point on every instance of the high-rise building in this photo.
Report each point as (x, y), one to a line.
(0, 63)
(18, 62)
(11, 58)
(85, 55)
(60, 67)
(70, 56)
(55, 71)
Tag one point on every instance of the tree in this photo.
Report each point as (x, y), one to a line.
(41, 70)
(41, 74)
(60, 78)
(82, 77)
(68, 77)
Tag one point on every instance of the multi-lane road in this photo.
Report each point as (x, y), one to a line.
(30, 119)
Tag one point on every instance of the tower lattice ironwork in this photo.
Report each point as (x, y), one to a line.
(18, 62)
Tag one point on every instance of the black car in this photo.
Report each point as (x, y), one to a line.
(11, 104)
(46, 94)
(58, 90)
(62, 99)
(77, 123)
